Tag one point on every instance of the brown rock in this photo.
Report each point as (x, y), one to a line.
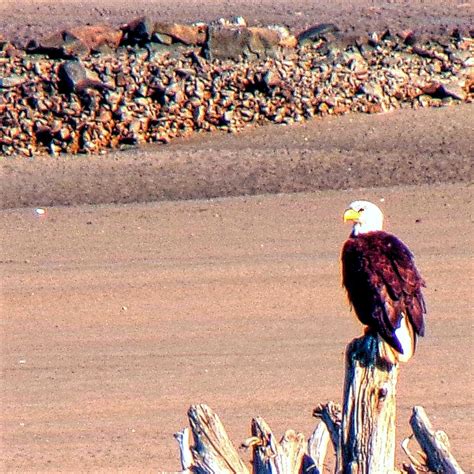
(59, 45)
(240, 42)
(272, 79)
(10, 50)
(78, 41)
(186, 34)
(162, 38)
(263, 41)
(456, 90)
(98, 38)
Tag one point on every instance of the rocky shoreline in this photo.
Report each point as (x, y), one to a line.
(94, 88)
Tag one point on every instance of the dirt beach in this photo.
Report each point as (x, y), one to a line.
(118, 315)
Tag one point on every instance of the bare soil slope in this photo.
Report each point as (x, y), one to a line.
(405, 147)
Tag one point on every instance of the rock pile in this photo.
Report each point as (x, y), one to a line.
(94, 88)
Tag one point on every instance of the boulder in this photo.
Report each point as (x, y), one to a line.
(452, 89)
(144, 30)
(138, 31)
(235, 43)
(79, 41)
(98, 38)
(186, 34)
(73, 77)
(59, 45)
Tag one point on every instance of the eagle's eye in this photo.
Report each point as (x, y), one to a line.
(361, 209)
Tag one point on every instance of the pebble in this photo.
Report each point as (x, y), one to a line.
(138, 94)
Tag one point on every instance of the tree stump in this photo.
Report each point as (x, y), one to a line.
(368, 418)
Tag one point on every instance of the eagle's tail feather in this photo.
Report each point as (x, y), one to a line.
(406, 336)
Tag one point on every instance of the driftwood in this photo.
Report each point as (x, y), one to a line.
(435, 445)
(362, 432)
(185, 453)
(271, 457)
(213, 452)
(318, 446)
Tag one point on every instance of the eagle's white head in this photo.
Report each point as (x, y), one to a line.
(365, 215)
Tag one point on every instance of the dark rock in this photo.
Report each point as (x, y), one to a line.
(138, 31)
(409, 38)
(73, 78)
(459, 33)
(44, 135)
(386, 36)
(71, 74)
(322, 31)
(227, 43)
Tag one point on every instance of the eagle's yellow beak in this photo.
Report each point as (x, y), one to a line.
(351, 215)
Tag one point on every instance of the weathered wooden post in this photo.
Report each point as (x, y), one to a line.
(368, 412)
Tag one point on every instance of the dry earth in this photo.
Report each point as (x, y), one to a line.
(23, 19)
(405, 147)
(117, 317)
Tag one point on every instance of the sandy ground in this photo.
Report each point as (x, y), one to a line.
(117, 317)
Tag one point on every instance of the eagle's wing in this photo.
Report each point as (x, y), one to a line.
(383, 284)
(406, 282)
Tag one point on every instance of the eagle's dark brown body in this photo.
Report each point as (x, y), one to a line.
(383, 284)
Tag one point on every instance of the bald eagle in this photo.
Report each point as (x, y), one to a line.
(382, 283)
